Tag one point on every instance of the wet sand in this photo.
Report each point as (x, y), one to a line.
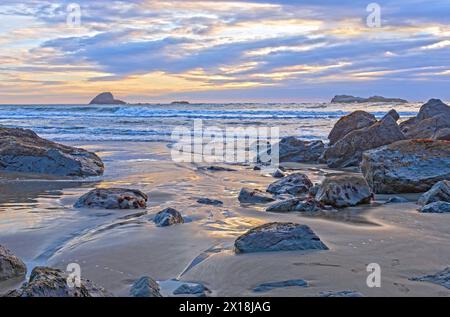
(115, 247)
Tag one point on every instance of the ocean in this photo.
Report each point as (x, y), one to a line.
(156, 122)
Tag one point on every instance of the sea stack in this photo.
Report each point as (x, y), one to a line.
(106, 98)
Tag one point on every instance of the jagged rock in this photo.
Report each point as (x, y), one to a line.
(352, 99)
(441, 278)
(292, 149)
(439, 192)
(344, 191)
(106, 98)
(254, 196)
(50, 282)
(216, 168)
(10, 265)
(278, 174)
(410, 166)
(24, 151)
(354, 121)
(340, 294)
(432, 122)
(348, 150)
(189, 289)
(265, 287)
(113, 198)
(207, 201)
(295, 204)
(278, 236)
(394, 114)
(438, 207)
(294, 184)
(168, 217)
(145, 287)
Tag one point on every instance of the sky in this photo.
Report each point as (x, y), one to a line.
(223, 51)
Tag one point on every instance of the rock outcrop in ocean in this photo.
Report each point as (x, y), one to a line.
(113, 198)
(278, 236)
(24, 151)
(432, 122)
(354, 121)
(408, 166)
(106, 98)
(353, 99)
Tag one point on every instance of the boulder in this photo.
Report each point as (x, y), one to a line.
(354, 121)
(292, 149)
(439, 192)
(113, 198)
(106, 98)
(394, 114)
(344, 191)
(50, 282)
(265, 287)
(254, 196)
(208, 201)
(295, 184)
(409, 166)
(278, 174)
(191, 289)
(396, 200)
(145, 287)
(438, 207)
(278, 236)
(441, 278)
(432, 122)
(340, 294)
(168, 217)
(295, 204)
(10, 265)
(24, 151)
(348, 150)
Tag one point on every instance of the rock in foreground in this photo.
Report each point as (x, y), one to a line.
(432, 122)
(410, 166)
(106, 98)
(113, 198)
(439, 192)
(145, 287)
(441, 278)
(254, 196)
(24, 151)
(344, 191)
(292, 149)
(168, 217)
(295, 204)
(354, 121)
(278, 236)
(438, 207)
(49, 282)
(265, 287)
(348, 150)
(10, 265)
(294, 184)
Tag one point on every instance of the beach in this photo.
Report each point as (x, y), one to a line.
(115, 247)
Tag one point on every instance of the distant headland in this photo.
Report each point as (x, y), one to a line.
(353, 99)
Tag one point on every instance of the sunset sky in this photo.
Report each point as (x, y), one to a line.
(223, 51)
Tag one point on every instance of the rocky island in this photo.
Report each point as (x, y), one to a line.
(106, 98)
(353, 99)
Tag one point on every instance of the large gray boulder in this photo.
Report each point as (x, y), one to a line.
(354, 121)
(432, 122)
(295, 204)
(409, 166)
(106, 98)
(439, 192)
(10, 265)
(24, 151)
(168, 217)
(292, 149)
(344, 191)
(348, 150)
(145, 287)
(278, 236)
(254, 196)
(295, 184)
(50, 282)
(113, 198)
(438, 207)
